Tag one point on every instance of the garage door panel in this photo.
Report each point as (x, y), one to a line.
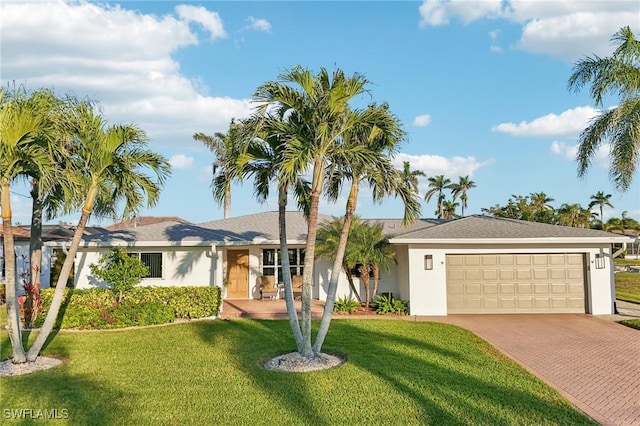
(515, 283)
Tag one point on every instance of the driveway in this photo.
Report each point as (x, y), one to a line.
(591, 361)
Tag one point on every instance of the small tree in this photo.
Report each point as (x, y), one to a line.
(120, 270)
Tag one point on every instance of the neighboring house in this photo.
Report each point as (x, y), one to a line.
(475, 264)
(52, 235)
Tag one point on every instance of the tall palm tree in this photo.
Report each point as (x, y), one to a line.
(262, 158)
(108, 166)
(319, 104)
(619, 75)
(437, 185)
(541, 210)
(410, 177)
(20, 126)
(364, 156)
(600, 200)
(225, 148)
(449, 209)
(460, 190)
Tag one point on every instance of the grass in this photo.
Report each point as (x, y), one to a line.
(209, 372)
(628, 286)
(633, 262)
(633, 323)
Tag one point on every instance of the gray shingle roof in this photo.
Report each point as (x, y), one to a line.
(262, 226)
(486, 227)
(172, 232)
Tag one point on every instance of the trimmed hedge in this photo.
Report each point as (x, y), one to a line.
(98, 308)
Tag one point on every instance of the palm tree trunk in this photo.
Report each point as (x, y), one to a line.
(376, 280)
(227, 201)
(352, 286)
(286, 271)
(310, 250)
(35, 250)
(325, 322)
(364, 276)
(13, 313)
(56, 301)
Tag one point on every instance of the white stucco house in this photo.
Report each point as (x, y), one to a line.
(476, 264)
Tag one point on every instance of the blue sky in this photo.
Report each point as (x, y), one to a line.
(481, 86)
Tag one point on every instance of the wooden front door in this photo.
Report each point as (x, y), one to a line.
(238, 274)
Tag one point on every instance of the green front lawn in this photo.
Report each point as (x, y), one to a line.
(398, 372)
(628, 286)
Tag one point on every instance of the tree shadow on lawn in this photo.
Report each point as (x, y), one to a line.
(432, 380)
(79, 399)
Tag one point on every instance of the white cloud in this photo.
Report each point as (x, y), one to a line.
(568, 152)
(565, 29)
(181, 161)
(119, 57)
(438, 12)
(569, 123)
(422, 120)
(210, 21)
(433, 165)
(259, 24)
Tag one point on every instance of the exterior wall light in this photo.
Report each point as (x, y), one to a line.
(428, 262)
(600, 261)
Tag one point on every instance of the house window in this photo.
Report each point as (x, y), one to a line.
(153, 261)
(272, 263)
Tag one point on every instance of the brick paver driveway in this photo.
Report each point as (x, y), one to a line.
(593, 362)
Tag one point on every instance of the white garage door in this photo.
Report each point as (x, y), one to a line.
(515, 283)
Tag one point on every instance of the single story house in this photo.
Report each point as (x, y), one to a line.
(475, 264)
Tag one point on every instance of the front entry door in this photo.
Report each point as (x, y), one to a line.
(238, 274)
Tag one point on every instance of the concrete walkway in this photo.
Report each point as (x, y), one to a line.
(591, 361)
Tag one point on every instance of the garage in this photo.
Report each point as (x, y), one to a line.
(515, 283)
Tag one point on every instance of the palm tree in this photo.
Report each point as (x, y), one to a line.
(262, 158)
(618, 74)
(410, 177)
(107, 167)
(449, 209)
(574, 215)
(600, 200)
(225, 148)
(460, 190)
(20, 125)
(319, 105)
(382, 257)
(327, 246)
(437, 184)
(364, 156)
(541, 210)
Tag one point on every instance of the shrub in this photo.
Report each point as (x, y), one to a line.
(98, 308)
(121, 271)
(389, 305)
(345, 304)
(3, 294)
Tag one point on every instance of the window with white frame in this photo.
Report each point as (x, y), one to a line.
(272, 263)
(153, 262)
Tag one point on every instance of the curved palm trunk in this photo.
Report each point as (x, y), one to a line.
(13, 313)
(286, 271)
(325, 322)
(35, 252)
(352, 286)
(58, 294)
